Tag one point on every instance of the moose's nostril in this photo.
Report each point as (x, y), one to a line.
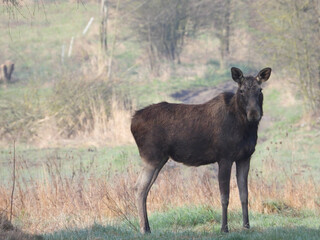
(253, 115)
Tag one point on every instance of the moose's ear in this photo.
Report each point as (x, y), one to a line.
(237, 75)
(264, 75)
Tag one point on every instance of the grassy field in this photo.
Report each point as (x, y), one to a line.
(36, 35)
(31, 162)
(284, 140)
(203, 223)
(80, 186)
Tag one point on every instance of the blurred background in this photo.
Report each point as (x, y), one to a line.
(73, 72)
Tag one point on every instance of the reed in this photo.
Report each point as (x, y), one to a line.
(56, 201)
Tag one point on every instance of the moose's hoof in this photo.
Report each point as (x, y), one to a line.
(145, 230)
(246, 226)
(224, 230)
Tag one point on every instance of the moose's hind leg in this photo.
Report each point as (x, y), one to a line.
(145, 180)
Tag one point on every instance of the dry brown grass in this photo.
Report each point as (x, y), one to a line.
(59, 202)
(110, 128)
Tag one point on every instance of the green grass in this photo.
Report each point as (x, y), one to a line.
(157, 90)
(34, 39)
(32, 162)
(285, 141)
(203, 223)
(102, 232)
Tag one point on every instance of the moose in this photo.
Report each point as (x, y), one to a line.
(222, 130)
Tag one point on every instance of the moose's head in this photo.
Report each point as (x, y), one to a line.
(249, 93)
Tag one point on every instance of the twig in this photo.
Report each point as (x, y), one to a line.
(14, 178)
(115, 208)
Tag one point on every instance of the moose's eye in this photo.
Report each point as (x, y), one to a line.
(241, 91)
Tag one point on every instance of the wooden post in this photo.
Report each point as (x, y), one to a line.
(70, 47)
(103, 26)
(85, 30)
(113, 46)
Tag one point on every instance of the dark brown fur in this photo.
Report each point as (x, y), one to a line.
(223, 130)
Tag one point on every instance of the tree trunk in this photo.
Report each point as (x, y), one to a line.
(225, 35)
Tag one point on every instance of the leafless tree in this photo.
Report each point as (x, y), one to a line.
(288, 31)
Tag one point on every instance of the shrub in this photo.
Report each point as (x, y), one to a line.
(79, 105)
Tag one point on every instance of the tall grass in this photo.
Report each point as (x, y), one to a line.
(56, 201)
(75, 109)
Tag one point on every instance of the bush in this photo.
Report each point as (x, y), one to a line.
(79, 105)
(20, 117)
(75, 109)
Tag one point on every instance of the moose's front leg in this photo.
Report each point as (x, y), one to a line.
(242, 180)
(224, 185)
